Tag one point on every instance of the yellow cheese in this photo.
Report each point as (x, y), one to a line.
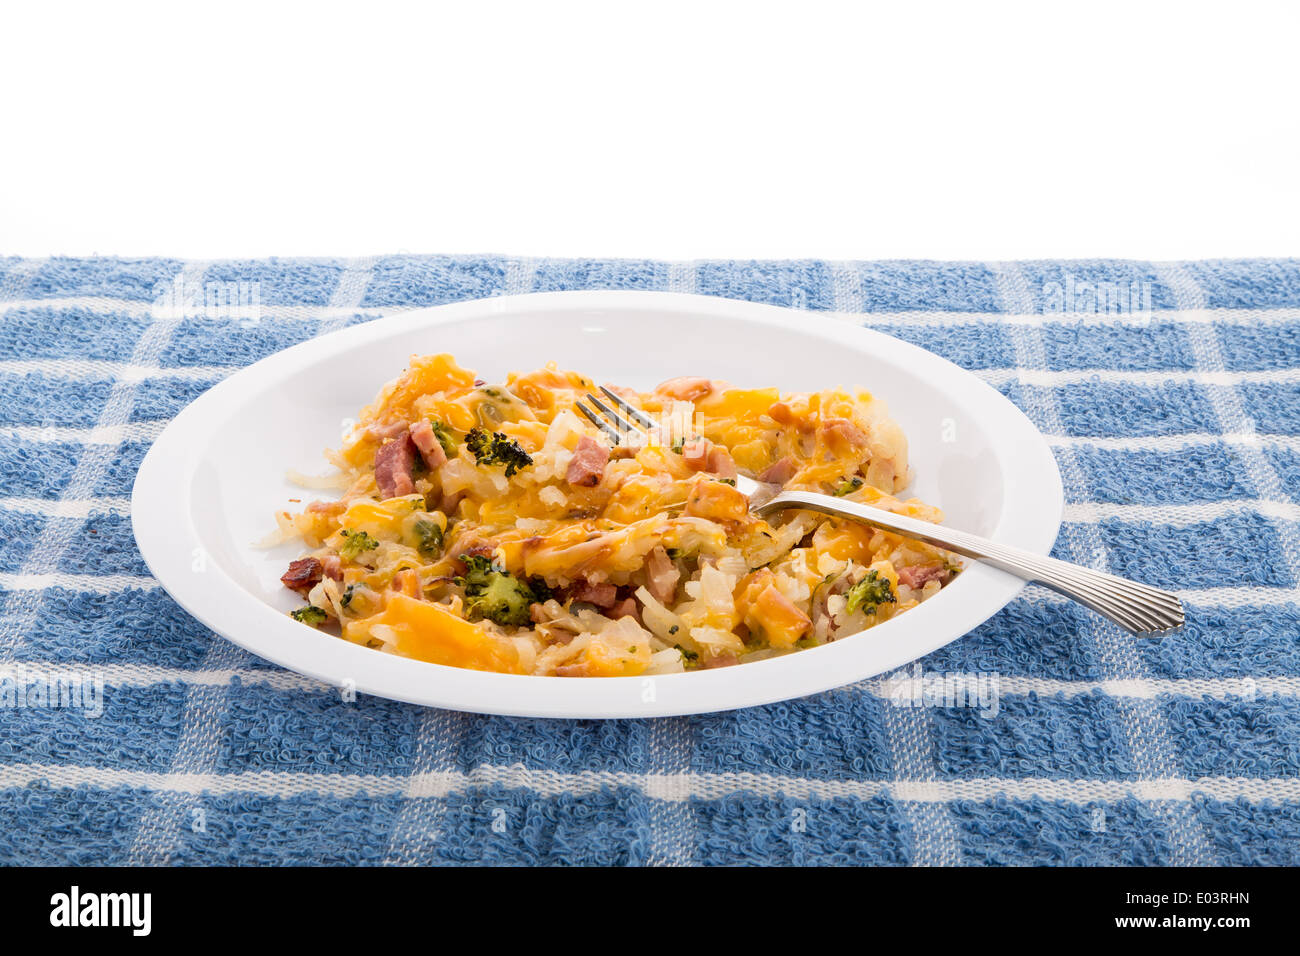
(434, 633)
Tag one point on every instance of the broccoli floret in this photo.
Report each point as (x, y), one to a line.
(356, 542)
(428, 537)
(541, 590)
(310, 614)
(869, 593)
(494, 593)
(847, 486)
(445, 438)
(497, 449)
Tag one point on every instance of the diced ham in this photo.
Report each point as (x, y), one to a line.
(685, 388)
(624, 608)
(587, 466)
(428, 445)
(332, 567)
(843, 434)
(661, 575)
(696, 453)
(700, 454)
(406, 581)
(393, 464)
(719, 463)
(603, 595)
(781, 413)
(779, 472)
(303, 575)
(721, 660)
(916, 578)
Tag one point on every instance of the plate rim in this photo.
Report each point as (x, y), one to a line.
(165, 535)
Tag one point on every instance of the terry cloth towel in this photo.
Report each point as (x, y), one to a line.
(1170, 393)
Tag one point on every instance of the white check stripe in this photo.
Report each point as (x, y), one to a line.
(1170, 444)
(125, 371)
(116, 434)
(158, 835)
(439, 739)
(671, 741)
(158, 832)
(846, 288)
(17, 280)
(659, 786)
(849, 289)
(932, 833)
(1230, 410)
(23, 604)
(1140, 688)
(1142, 722)
(1180, 515)
(1052, 378)
(77, 369)
(136, 308)
(67, 507)
(129, 676)
(1025, 319)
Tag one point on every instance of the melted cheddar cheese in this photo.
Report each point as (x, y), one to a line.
(492, 527)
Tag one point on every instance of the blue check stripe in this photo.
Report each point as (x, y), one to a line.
(1178, 433)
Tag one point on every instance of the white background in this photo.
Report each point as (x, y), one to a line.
(658, 129)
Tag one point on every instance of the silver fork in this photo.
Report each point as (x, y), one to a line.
(1135, 607)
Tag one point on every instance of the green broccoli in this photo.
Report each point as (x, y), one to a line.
(445, 438)
(869, 593)
(428, 537)
(541, 590)
(494, 593)
(847, 486)
(310, 614)
(497, 449)
(356, 543)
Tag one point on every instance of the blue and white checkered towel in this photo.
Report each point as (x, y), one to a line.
(1170, 393)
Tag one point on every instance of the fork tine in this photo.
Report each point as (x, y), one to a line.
(613, 433)
(626, 428)
(640, 417)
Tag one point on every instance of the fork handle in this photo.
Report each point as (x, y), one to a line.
(1135, 607)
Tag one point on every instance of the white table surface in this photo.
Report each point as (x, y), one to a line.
(668, 130)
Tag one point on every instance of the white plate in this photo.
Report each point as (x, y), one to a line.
(211, 482)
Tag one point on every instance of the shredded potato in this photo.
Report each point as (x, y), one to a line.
(492, 527)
